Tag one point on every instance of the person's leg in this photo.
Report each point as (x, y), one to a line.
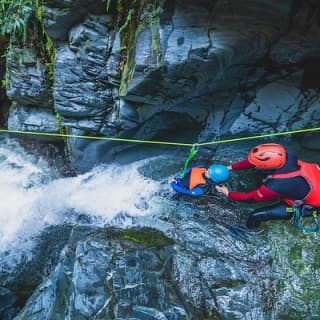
(277, 212)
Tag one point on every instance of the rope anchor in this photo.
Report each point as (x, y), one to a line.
(193, 151)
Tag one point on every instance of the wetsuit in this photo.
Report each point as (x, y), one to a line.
(206, 184)
(295, 188)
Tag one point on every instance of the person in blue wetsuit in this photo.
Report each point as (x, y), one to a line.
(200, 180)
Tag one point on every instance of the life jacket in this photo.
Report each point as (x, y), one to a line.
(311, 173)
(196, 177)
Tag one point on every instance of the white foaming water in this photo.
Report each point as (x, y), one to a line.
(33, 197)
(104, 192)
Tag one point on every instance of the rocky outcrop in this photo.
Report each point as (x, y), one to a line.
(28, 86)
(83, 62)
(234, 67)
(139, 274)
(135, 285)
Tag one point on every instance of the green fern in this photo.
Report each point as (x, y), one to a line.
(14, 17)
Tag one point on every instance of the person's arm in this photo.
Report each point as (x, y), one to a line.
(260, 194)
(244, 164)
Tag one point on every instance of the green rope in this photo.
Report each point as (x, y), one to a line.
(297, 221)
(192, 153)
(268, 135)
(60, 135)
(73, 136)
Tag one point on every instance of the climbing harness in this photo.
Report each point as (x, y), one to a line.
(193, 151)
(298, 214)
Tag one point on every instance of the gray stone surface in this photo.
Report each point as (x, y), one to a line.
(29, 119)
(7, 304)
(278, 107)
(95, 279)
(61, 15)
(82, 93)
(27, 78)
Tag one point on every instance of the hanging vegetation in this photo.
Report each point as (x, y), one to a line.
(132, 18)
(14, 18)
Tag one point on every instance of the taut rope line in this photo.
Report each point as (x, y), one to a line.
(61, 135)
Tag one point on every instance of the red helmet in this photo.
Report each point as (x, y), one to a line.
(268, 156)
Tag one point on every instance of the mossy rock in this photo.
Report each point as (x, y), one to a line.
(147, 236)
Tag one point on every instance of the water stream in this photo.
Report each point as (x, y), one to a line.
(35, 196)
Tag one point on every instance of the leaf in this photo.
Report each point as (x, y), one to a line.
(14, 16)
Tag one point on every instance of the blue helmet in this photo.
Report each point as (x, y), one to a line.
(218, 173)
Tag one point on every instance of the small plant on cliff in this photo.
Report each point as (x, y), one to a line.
(47, 48)
(14, 17)
(132, 18)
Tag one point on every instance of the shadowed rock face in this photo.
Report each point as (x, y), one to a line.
(235, 67)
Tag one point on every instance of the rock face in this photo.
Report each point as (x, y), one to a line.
(234, 67)
(141, 274)
(136, 285)
(82, 92)
(29, 88)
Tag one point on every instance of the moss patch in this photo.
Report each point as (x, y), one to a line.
(147, 237)
(47, 49)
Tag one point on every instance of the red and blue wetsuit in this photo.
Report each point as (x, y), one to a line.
(294, 181)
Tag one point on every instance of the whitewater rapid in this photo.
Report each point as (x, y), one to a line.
(34, 196)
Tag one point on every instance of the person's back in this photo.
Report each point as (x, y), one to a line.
(294, 187)
(301, 185)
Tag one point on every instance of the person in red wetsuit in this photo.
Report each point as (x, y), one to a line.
(294, 182)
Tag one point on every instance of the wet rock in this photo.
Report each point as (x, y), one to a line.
(27, 79)
(281, 105)
(82, 93)
(311, 141)
(7, 304)
(20, 281)
(124, 286)
(30, 119)
(128, 111)
(160, 126)
(61, 15)
(113, 62)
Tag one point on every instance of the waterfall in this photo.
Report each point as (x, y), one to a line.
(34, 196)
